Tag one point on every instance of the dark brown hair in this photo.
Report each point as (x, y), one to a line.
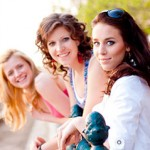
(134, 38)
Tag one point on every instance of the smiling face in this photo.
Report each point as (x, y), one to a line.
(62, 47)
(108, 45)
(18, 72)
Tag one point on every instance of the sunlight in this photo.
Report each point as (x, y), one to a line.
(19, 22)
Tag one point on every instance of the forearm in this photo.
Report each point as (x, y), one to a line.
(96, 85)
(60, 120)
(49, 118)
(79, 123)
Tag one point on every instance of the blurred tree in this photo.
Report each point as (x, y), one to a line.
(139, 9)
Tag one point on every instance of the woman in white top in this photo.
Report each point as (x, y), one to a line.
(121, 48)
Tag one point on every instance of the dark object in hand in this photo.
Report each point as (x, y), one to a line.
(83, 145)
(76, 111)
(96, 131)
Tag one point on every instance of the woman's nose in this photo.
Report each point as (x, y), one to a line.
(59, 47)
(17, 73)
(102, 50)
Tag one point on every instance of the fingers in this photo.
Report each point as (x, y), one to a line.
(65, 134)
(60, 139)
(63, 140)
(39, 141)
(77, 137)
(59, 135)
(60, 129)
(34, 147)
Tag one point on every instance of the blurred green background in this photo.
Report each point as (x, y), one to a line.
(139, 9)
(88, 9)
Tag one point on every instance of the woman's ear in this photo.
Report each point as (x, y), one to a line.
(77, 42)
(128, 49)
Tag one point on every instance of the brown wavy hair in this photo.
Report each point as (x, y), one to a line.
(72, 25)
(134, 38)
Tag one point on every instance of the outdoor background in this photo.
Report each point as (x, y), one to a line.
(19, 20)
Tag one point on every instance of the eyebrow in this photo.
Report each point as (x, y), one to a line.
(105, 39)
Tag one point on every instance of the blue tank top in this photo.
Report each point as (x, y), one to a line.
(80, 101)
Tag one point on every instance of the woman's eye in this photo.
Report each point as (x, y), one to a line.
(96, 43)
(20, 66)
(66, 39)
(10, 73)
(51, 43)
(110, 43)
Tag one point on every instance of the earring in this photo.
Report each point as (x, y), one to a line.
(131, 60)
(80, 57)
(53, 61)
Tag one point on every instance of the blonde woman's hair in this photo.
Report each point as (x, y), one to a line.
(13, 98)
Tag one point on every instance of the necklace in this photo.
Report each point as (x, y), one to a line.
(86, 63)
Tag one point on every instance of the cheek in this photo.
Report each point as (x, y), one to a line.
(118, 51)
(121, 54)
(95, 52)
(118, 57)
(72, 44)
(50, 51)
(11, 80)
(30, 71)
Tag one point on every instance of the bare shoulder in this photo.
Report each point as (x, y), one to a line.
(44, 79)
(96, 74)
(44, 76)
(94, 66)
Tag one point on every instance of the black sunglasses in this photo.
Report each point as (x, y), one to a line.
(115, 13)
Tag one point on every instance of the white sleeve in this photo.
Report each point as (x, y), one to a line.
(123, 114)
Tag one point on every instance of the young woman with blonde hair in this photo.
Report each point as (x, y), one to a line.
(25, 87)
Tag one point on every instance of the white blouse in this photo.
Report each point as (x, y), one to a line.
(127, 112)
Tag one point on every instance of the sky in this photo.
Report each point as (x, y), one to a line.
(19, 21)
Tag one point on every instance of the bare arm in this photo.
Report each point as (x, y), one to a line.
(70, 92)
(96, 85)
(50, 145)
(46, 116)
(95, 90)
(65, 133)
(67, 130)
(48, 88)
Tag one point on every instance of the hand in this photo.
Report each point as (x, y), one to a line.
(39, 141)
(67, 134)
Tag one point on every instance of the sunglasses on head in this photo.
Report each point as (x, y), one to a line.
(115, 13)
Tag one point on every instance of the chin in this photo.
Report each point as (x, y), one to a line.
(25, 86)
(106, 68)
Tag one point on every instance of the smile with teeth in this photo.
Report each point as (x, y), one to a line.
(63, 55)
(21, 78)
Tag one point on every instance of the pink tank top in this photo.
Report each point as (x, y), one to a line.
(53, 110)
